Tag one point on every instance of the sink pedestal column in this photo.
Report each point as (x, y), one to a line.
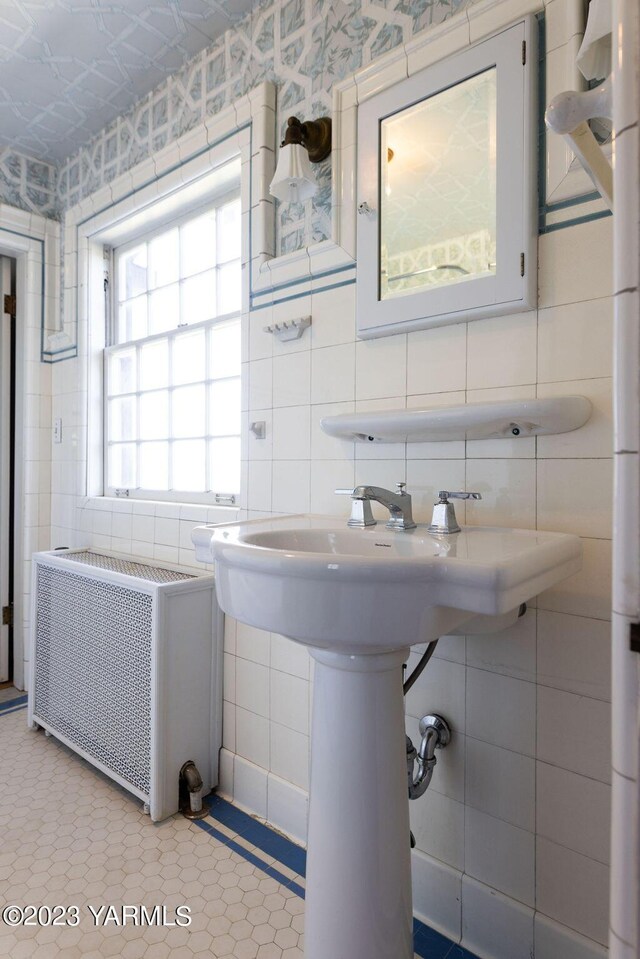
(358, 898)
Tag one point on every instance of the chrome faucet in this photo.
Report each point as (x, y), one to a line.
(444, 515)
(398, 504)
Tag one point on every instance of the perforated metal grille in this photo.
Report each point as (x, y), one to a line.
(153, 574)
(93, 669)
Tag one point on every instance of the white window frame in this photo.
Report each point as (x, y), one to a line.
(218, 497)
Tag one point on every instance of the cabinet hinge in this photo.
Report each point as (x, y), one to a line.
(10, 304)
(522, 264)
(7, 615)
(634, 637)
(524, 52)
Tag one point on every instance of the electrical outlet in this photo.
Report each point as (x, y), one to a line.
(57, 430)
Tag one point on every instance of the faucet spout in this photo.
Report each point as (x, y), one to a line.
(398, 504)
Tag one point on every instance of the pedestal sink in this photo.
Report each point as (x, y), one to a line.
(359, 598)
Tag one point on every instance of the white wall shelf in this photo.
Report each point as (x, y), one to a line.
(471, 421)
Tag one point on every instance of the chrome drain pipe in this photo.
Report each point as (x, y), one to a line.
(436, 734)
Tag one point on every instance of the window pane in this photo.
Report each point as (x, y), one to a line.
(224, 465)
(229, 231)
(122, 466)
(154, 415)
(229, 288)
(199, 297)
(198, 244)
(164, 309)
(154, 465)
(224, 407)
(188, 411)
(122, 372)
(189, 465)
(122, 418)
(188, 364)
(164, 259)
(132, 319)
(154, 365)
(224, 345)
(132, 276)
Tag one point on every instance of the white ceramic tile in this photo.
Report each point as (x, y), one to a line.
(323, 446)
(437, 823)
(333, 374)
(260, 384)
(292, 379)
(572, 889)
(440, 689)
(522, 447)
(326, 477)
(291, 489)
(425, 478)
(626, 534)
(229, 726)
(573, 811)
(587, 593)
(624, 670)
(624, 906)
(575, 265)
(500, 855)
(290, 755)
(253, 644)
(287, 808)
(574, 654)
(225, 782)
(501, 783)
(508, 489)
(511, 651)
(575, 496)
(292, 433)
(437, 895)
(575, 340)
(250, 787)
(553, 939)
(252, 737)
(574, 733)
(437, 359)
(625, 269)
(289, 657)
(493, 925)
(289, 701)
(501, 351)
(259, 487)
(595, 438)
(252, 687)
(627, 393)
(501, 710)
(334, 315)
(229, 678)
(381, 367)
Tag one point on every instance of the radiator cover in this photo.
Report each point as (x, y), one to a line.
(126, 668)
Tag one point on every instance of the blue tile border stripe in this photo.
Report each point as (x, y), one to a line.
(10, 705)
(427, 943)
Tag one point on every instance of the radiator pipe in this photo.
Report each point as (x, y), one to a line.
(191, 780)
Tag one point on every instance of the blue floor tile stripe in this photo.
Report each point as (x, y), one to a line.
(10, 705)
(428, 944)
(252, 858)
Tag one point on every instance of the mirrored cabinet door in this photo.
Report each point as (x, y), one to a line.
(447, 191)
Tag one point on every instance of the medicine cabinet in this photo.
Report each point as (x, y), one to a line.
(446, 227)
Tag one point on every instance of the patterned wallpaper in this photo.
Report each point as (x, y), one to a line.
(27, 183)
(305, 46)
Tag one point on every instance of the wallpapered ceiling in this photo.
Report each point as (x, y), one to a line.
(304, 46)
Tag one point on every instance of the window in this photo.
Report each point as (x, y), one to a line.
(172, 371)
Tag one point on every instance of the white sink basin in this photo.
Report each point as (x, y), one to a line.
(359, 598)
(357, 590)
